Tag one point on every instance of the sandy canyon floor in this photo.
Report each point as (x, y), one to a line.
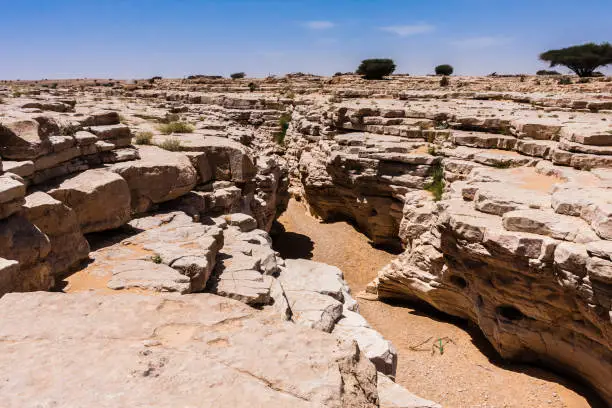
(468, 373)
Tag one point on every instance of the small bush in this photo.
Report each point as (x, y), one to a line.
(173, 145)
(176, 127)
(444, 81)
(283, 123)
(444, 69)
(376, 68)
(584, 80)
(522, 78)
(144, 138)
(547, 72)
(564, 81)
(436, 187)
(252, 86)
(156, 259)
(238, 75)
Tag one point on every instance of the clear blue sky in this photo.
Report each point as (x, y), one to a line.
(175, 38)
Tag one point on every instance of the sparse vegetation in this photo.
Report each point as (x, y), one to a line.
(144, 138)
(436, 187)
(172, 144)
(252, 86)
(283, 123)
(238, 75)
(444, 81)
(582, 59)
(176, 127)
(444, 69)
(547, 72)
(376, 68)
(564, 81)
(156, 259)
(432, 150)
(584, 80)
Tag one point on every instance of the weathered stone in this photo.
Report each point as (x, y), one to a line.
(201, 350)
(158, 176)
(100, 199)
(60, 224)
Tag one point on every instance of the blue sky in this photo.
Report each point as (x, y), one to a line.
(143, 38)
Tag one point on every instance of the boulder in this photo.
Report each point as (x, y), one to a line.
(100, 199)
(158, 176)
(22, 241)
(61, 225)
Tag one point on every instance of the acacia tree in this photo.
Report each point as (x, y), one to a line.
(582, 59)
(444, 69)
(376, 68)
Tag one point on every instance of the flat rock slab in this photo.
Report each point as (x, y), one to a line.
(146, 275)
(85, 350)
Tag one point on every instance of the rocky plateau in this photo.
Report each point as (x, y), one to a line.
(137, 222)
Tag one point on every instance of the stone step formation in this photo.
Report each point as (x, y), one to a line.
(161, 197)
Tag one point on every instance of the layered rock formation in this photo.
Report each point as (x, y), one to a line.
(500, 201)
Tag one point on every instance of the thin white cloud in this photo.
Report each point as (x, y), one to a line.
(480, 42)
(407, 30)
(319, 25)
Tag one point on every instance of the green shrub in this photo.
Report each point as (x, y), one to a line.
(156, 259)
(252, 86)
(584, 80)
(376, 68)
(173, 145)
(444, 81)
(547, 72)
(436, 187)
(176, 127)
(238, 75)
(444, 69)
(283, 123)
(564, 81)
(144, 138)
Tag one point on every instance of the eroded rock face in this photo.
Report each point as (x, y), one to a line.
(158, 176)
(190, 350)
(100, 199)
(23, 242)
(525, 276)
(61, 225)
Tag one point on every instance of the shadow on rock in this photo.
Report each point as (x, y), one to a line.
(291, 245)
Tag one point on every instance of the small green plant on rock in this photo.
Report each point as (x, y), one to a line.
(156, 259)
(176, 127)
(252, 86)
(436, 186)
(144, 138)
(283, 123)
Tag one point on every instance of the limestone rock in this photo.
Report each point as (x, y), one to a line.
(199, 350)
(100, 199)
(60, 224)
(158, 176)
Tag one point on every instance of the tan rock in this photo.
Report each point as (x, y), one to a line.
(158, 176)
(100, 199)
